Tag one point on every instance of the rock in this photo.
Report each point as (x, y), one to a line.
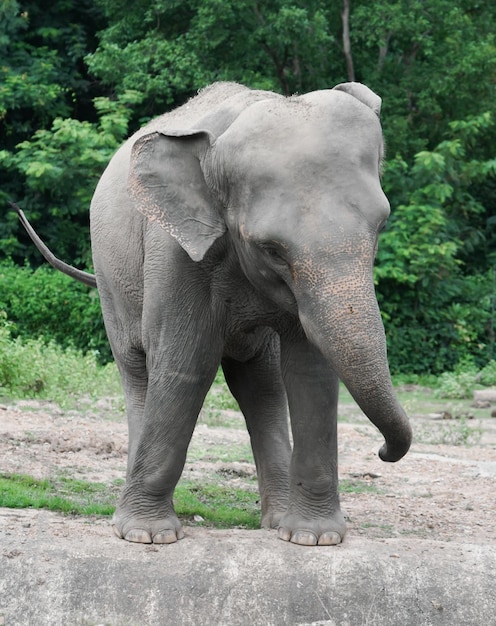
(486, 395)
(481, 404)
(462, 416)
(445, 415)
(239, 578)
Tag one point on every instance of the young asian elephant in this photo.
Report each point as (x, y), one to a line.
(241, 229)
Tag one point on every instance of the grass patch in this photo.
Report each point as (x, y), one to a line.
(205, 504)
(66, 495)
(218, 506)
(220, 418)
(241, 453)
(459, 432)
(33, 368)
(357, 486)
(219, 398)
(386, 527)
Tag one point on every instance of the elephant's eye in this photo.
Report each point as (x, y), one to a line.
(383, 226)
(274, 252)
(270, 250)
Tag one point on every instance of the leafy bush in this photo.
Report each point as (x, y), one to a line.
(457, 385)
(60, 168)
(461, 383)
(437, 329)
(434, 277)
(32, 368)
(488, 374)
(45, 303)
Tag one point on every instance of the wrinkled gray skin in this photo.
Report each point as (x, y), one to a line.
(241, 229)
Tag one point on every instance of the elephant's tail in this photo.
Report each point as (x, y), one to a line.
(65, 268)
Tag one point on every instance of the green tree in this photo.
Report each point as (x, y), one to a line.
(168, 50)
(42, 74)
(60, 168)
(434, 62)
(42, 78)
(427, 59)
(433, 265)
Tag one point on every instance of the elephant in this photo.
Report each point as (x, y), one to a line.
(240, 230)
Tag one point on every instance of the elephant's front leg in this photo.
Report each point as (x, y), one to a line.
(258, 387)
(182, 361)
(313, 516)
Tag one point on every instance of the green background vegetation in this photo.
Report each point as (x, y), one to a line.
(76, 78)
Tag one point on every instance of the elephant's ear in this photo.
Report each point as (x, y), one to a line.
(362, 93)
(168, 186)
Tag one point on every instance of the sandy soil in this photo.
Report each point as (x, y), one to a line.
(440, 491)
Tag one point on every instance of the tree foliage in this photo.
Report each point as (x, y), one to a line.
(47, 305)
(435, 262)
(77, 77)
(43, 77)
(42, 73)
(168, 49)
(434, 61)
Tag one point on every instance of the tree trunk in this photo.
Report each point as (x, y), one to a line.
(345, 17)
(383, 50)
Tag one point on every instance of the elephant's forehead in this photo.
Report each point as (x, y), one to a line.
(299, 137)
(329, 116)
(302, 161)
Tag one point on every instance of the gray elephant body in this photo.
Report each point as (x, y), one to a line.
(241, 229)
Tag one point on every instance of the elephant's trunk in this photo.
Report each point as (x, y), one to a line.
(341, 316)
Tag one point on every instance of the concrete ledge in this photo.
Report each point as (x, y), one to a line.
(57, 571)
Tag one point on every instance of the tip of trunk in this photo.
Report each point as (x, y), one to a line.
(396, 447)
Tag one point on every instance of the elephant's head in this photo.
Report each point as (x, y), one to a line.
(296, 183)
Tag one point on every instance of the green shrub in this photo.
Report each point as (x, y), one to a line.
(488, 374)
(32, 368)
(459, 385)
(45, 303)
(459, 432)
(437, 330)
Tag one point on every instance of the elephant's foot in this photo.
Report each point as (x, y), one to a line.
(274, 501)
(327, 531)
(139, 530)
(272, 518)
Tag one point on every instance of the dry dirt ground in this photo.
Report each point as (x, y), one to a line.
(440, 491)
